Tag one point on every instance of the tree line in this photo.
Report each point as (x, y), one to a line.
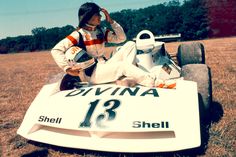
(41, 39)
(194, 19)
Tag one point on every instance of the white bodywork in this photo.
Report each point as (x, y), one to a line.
(116, 118)
(55, 118)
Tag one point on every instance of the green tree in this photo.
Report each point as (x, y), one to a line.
(195, 21)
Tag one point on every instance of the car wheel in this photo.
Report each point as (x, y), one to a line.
(191, 53)
(201, 74)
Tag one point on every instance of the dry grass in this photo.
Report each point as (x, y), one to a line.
(23, 75)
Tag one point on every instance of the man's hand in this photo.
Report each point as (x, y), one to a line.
(107, 15)
(73, 71)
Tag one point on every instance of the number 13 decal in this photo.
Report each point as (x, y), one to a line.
(109, 113)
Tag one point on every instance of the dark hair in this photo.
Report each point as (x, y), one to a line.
(86, 11)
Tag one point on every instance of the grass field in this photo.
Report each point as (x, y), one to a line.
(23, 75)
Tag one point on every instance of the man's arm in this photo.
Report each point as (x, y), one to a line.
(58, 53)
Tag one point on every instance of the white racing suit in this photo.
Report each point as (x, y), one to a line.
(120, 64)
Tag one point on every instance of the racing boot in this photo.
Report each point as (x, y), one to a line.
(170, 84)
(159, 83)
(147, 81)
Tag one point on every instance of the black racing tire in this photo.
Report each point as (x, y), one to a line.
(69, 82)
(191, 53)
(201, 74)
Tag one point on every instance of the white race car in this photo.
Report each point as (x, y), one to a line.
(115, 118)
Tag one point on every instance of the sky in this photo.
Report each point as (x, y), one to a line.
(19, 17)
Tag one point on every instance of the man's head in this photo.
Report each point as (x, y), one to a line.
(87, 11)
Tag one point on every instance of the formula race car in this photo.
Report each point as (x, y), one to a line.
(109, 117)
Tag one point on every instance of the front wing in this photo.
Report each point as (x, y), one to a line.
(116, 118)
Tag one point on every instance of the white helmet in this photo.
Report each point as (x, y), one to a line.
(78, 57)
